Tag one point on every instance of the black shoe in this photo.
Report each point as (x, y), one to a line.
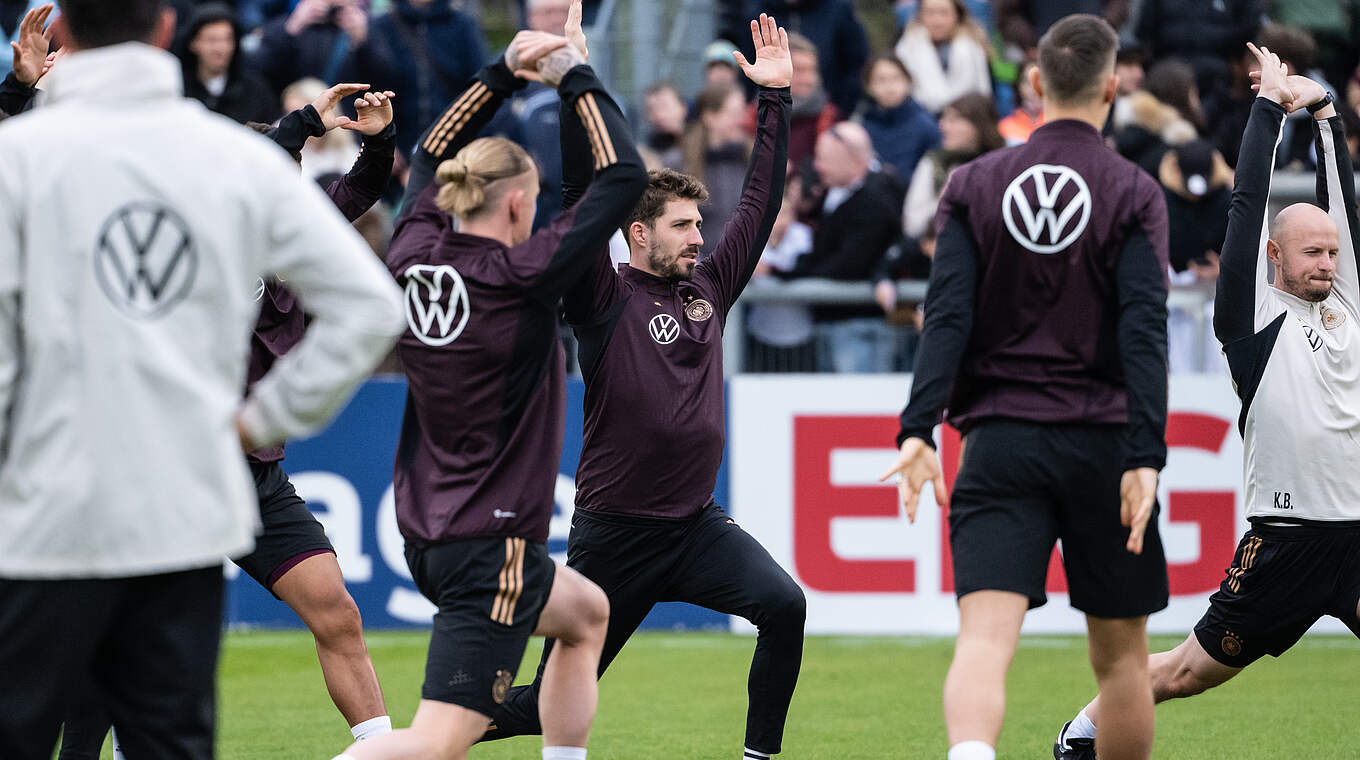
(1073, 749)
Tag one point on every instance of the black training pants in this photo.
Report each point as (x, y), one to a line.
(708, 561)
(145, 648)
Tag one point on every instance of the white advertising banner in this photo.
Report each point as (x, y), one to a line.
(806, 454)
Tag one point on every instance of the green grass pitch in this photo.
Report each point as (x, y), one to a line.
(683, 696)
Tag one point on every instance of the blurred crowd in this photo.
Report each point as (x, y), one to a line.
(875, 131)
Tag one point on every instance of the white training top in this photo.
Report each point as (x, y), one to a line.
(1298, 373)
(134, 229)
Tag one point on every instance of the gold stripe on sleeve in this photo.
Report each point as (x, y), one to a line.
(611, 157)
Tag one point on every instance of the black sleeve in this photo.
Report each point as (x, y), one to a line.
(620, 179)
(295, 127)
(15, 98)
(735, 257)
(1235, 293)
(949, 324)
(357, 191)
(578, 166)
(460, 124)
(1142, 289)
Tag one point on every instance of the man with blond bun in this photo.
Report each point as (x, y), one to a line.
(1290, 341)
(481, 438)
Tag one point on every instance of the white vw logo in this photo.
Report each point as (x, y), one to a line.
(435, 298)
(664, 329)
(145, 259)
(1048, 181)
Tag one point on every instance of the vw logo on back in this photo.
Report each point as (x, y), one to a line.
(145, 259)
(664, 329)
(1049, 218)
(436, 303)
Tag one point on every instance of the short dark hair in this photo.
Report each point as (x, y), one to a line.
(1074, 55)
(663, 186)
(891, 60)
(100, 23)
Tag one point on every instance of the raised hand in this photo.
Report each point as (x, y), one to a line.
(1272, 77)
(374, 110)
(31, 59)
(1306, 92)
(917, 465)
(525, 50)
(573, 31)
(326, 103)
(774, 64)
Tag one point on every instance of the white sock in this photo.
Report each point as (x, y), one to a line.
(1081, 728)
(117, 750)
(343, 757)
(751, 754)
(973, 750)
(371, 728)
(564, 753)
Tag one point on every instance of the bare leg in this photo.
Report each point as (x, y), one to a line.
(1184, 671)
(315, 589)
(577, 614)
(975, 689)
(439, 730)
(1118, 652)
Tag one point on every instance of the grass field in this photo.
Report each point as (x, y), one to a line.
(682, 696)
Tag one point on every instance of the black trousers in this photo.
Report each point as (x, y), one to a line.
(143, 650)
(708, 561)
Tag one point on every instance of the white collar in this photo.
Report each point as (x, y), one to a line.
(131, 70)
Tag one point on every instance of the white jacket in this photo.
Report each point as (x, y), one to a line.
(933, 86)
(134, 227)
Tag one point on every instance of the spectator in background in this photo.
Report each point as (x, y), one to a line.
(435, 50)
(715, 149)
(1022, 22)
(813, 111)
(1332, 25)
(1029, 115)
(946, 54)
(856, 219)
(841, 45)
(1128, 66)
(665, 113)
(11, 13)
(902, 131)
(328, 40)
(1204, 33)
(968, 129)
(720, 68)
(214, 71)
(781, 337)
(1145, 127)
(1198, 187)
(256, 13)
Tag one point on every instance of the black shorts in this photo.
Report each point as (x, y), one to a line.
(291, 532)
(1023, 485)
(1282, 580)
(490, 592)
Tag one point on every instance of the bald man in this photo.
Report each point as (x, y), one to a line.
(1291, 343)
(860, 216)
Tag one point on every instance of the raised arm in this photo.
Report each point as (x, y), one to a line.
(732, 262)
(1335, 185)
(579, 237)
(470, 111)
(1240, 299)
(357, 191)
(30, 61)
